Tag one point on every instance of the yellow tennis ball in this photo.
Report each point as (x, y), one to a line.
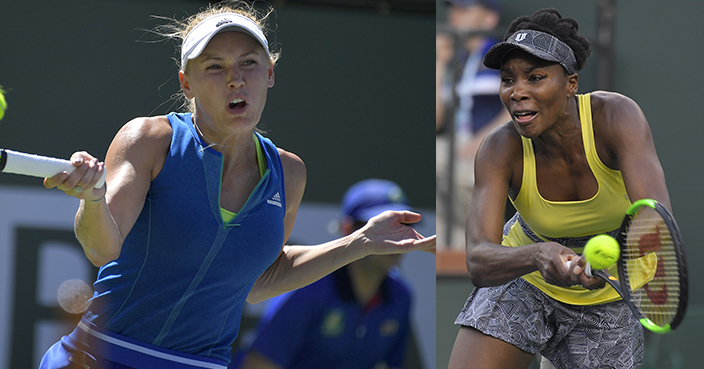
(602, 251)
(3, 103)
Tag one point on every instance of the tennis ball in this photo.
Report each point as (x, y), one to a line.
(602, 251)
(3, 103)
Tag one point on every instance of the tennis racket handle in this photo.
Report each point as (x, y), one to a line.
(587, 268)
(37, 166)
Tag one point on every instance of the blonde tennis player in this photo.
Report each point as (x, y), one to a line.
(196, 214)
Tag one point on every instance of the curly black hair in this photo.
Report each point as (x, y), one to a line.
(550, 21)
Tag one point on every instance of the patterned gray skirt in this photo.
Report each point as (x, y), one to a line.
(570, 336)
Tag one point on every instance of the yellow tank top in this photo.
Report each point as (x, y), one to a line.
(569, 223)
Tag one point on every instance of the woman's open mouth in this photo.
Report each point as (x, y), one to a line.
(237, 104)
(524, 116)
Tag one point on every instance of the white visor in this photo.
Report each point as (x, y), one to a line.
(197, 39)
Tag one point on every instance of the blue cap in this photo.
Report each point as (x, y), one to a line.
(371, 197)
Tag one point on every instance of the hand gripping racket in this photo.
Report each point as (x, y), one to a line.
(36, 166)
(652, 269)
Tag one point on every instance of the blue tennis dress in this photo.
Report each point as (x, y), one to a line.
(183, 275)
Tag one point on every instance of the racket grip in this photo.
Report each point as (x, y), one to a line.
(37, 166)
(587, 268)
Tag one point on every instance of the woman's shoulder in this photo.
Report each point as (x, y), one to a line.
(294, 168)
(615, 110)
(144, 142)
(612, 102)
(157, 127)
(499, 155)
(503, 140)
(144, 135)
(290, 160)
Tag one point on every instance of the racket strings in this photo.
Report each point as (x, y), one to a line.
(652, 267)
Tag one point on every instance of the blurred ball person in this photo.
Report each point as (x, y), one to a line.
(467, 95)
(357, 317)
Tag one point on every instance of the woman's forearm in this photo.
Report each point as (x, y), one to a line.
(299, 266)
(97, 232)
(493, 265)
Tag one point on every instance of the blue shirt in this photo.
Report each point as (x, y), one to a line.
(323, 326)
(183, 275)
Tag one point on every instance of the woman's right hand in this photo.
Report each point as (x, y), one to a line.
(80, 183)
(591, 283)
(550, 259)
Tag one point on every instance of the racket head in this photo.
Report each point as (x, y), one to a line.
(652, 268)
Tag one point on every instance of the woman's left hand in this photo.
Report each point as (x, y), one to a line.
(390, 233)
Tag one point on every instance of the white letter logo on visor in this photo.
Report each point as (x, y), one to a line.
(197, 39)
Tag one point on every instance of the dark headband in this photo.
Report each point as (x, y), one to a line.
(539, 44)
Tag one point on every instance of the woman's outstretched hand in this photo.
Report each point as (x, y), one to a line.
(390, 233)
